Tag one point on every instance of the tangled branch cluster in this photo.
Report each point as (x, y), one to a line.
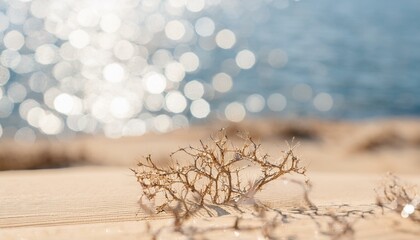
(400, 197)
(210, 175)
(213, 176)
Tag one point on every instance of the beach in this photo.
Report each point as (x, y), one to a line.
(209, 119)
(89, 192)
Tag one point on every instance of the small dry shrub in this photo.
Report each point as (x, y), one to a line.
(400, 197)
(210, 175)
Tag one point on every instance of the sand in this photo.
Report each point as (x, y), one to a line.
(96, 197)
(93, 202)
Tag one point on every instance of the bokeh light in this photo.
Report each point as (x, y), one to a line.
(16, 92)
(67, 104)
(225, 39)
(162, 123)
(255, 103)
(25, 134)
(175, 30)
(200, 108)
(190, 61)
(245, 59)
(194, 90)
(113, 72)
(88, 17)
(79, 38)
(154, 102)
(125, 68)
(175, 71)
(4, 75)
(323, 102)
(235, 112)
(14, 40)
(276, 102)
(222, 82)
(175, 102)
(302, 92)
(205, 26)
(195, 5)
(120, 107)
(110, 23)
(6, 107)
(155, 82)
(10, 58)
(46, 54)
(124, 50)
(50, 124)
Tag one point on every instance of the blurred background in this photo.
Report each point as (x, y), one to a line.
(129, 67)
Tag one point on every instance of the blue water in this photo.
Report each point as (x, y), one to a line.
(365, 53)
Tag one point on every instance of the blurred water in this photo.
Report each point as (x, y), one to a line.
(129, 67)
(364, 53)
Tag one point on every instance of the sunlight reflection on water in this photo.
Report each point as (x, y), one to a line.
(129, 67)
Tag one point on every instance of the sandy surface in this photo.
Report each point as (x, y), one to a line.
(96, 197)
(93, 202)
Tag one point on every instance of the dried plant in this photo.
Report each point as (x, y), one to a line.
(400, 197)
(210, 175)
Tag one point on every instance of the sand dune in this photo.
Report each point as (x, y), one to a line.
(369, 146)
